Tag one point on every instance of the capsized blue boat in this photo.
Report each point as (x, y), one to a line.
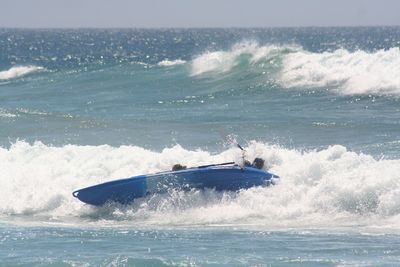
(225, 176)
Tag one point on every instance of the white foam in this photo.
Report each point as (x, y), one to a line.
(331, 187)
(169, 63)
(356, 72)
(346, 72)
(18, 71)
(5, 114)
(223, 61)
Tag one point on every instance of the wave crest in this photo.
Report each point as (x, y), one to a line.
(223, 61)
(18, 71)
(356, 72)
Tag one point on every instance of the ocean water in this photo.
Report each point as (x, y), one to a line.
(320, 105)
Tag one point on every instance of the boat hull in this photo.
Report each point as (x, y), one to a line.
(218, 177)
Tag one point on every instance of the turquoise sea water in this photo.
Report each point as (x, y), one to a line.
(320, 105)
(196, 247)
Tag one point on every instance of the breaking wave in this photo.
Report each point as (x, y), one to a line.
(356, 72)
(18, 71)
(346, 72)
(330, 187)
(224, 61)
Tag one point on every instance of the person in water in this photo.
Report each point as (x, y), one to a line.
(178, 167)
(257, 163)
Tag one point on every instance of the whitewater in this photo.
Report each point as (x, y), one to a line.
(320, 105)
(350, 73)
(350, 187)
(18, 71)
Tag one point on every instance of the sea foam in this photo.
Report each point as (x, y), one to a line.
(357, 72)
(223, 61)
(330, 187)
(346, 72)
(169, 63)
(18, 71)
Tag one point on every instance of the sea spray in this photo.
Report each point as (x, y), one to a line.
(170, 63)
(247, 53)
(350, 187)
(357, 72)
(293, 67)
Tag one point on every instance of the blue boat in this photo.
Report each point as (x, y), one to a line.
(225, 176)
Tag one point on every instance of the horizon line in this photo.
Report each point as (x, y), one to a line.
(192, 27)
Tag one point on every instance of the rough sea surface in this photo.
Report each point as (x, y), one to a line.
(320, 105)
